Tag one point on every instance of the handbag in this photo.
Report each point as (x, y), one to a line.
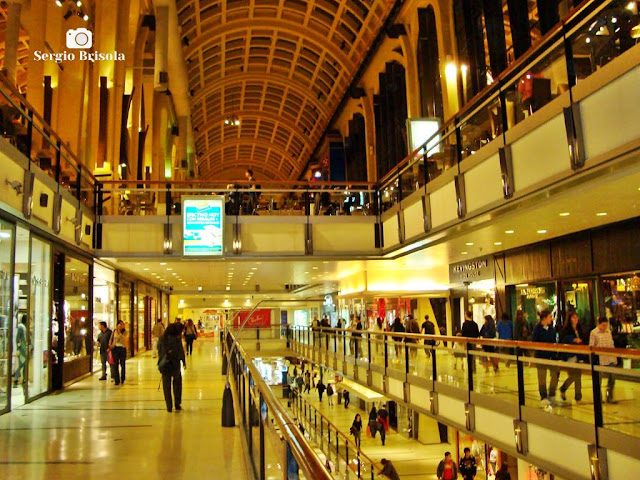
(110, 358)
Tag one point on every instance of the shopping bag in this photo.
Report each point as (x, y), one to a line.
(110, 358)
(368, 430)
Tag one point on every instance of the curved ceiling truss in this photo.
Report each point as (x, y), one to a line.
(280, 66)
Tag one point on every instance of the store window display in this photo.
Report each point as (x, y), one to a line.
(528, 300)
(104, 302)
(77, 322)
(6, 269)
(621, 296)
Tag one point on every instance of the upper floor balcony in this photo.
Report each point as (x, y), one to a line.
(556, 130)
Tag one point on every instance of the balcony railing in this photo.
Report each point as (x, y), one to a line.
(595, 33)
(133, 197)
(23, 127)
(260, 412)
(505, 370)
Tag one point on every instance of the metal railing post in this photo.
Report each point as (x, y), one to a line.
(167, 199)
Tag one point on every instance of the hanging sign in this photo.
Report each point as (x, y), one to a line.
(203, 225)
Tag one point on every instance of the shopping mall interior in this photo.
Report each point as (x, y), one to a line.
(337, 193)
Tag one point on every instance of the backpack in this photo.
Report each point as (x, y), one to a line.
(329, 390)
(165, 363)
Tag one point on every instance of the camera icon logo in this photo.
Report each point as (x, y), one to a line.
(79, 38)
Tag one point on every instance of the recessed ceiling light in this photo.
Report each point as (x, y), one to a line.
(315, 268)
(199, 289)
(464, 253)
(542, 231)
(469, 244)
(497, 243)
(601, 214)
(564, 214)
(163, 263)
(139, 262)
(306, 273)
(145, 269)
(169, 269)
(228, 287)
(509, 231)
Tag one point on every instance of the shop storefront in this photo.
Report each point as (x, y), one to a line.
(126, 307)
(7, 235)
(105, 290)
(73, 317)
(488, 458)
(149, 310)
(473, 288)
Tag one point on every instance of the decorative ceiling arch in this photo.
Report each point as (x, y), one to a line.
(280, 66)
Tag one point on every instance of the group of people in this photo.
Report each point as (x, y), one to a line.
(571, 333)
(167, 347)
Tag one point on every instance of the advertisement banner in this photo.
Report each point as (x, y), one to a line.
(260, 318)
(203, 225)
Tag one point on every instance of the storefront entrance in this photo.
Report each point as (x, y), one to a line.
(32, 318)
(7, 235)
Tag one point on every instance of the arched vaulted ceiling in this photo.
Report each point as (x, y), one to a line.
(280, 66)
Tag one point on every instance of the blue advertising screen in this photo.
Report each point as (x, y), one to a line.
(203, 225)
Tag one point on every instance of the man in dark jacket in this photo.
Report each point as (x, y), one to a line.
(503, 473)
(470, 330)
(103, 341)
(398, 328)
(388, 470)
(171, 354)
(545, 333)
(467, 465)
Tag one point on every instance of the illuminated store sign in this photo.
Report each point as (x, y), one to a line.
(472, 270)
(203, 225)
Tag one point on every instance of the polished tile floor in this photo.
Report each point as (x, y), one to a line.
(96, 430)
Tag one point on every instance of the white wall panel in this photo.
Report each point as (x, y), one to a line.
(413, 219)
(390, 229)
(451, 408)
(443, 205)
(483, 183)
(610, 115)
(266, 238)
(341, 237)
(495, 425)
(540, 154)
(546, 443)
(396, 387)
(621, 466)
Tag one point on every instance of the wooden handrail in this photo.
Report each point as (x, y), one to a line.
(306, 457)
(527, 345)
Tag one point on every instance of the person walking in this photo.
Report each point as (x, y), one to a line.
(104, 337)
(544, 332)
(118, 346)
(504, 329)
(157, 332)
(571, 334)
(467, 467)
(397, 327)
(346, 399)
(356, 429)
(330, 393)
(21, 349)
(601, 337)
(321, 388)
(307, 381)
(447, 469)
(412, 326)
(388, 470)
(381, 425)
(373, 421)
(428, 328)
(171, 355)
(470, 330)
(488, 331)
(190, 335)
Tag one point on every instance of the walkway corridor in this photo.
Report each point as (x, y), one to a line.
(412, 459)
(95, 430)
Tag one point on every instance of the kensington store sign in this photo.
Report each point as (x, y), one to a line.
(472, 270)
